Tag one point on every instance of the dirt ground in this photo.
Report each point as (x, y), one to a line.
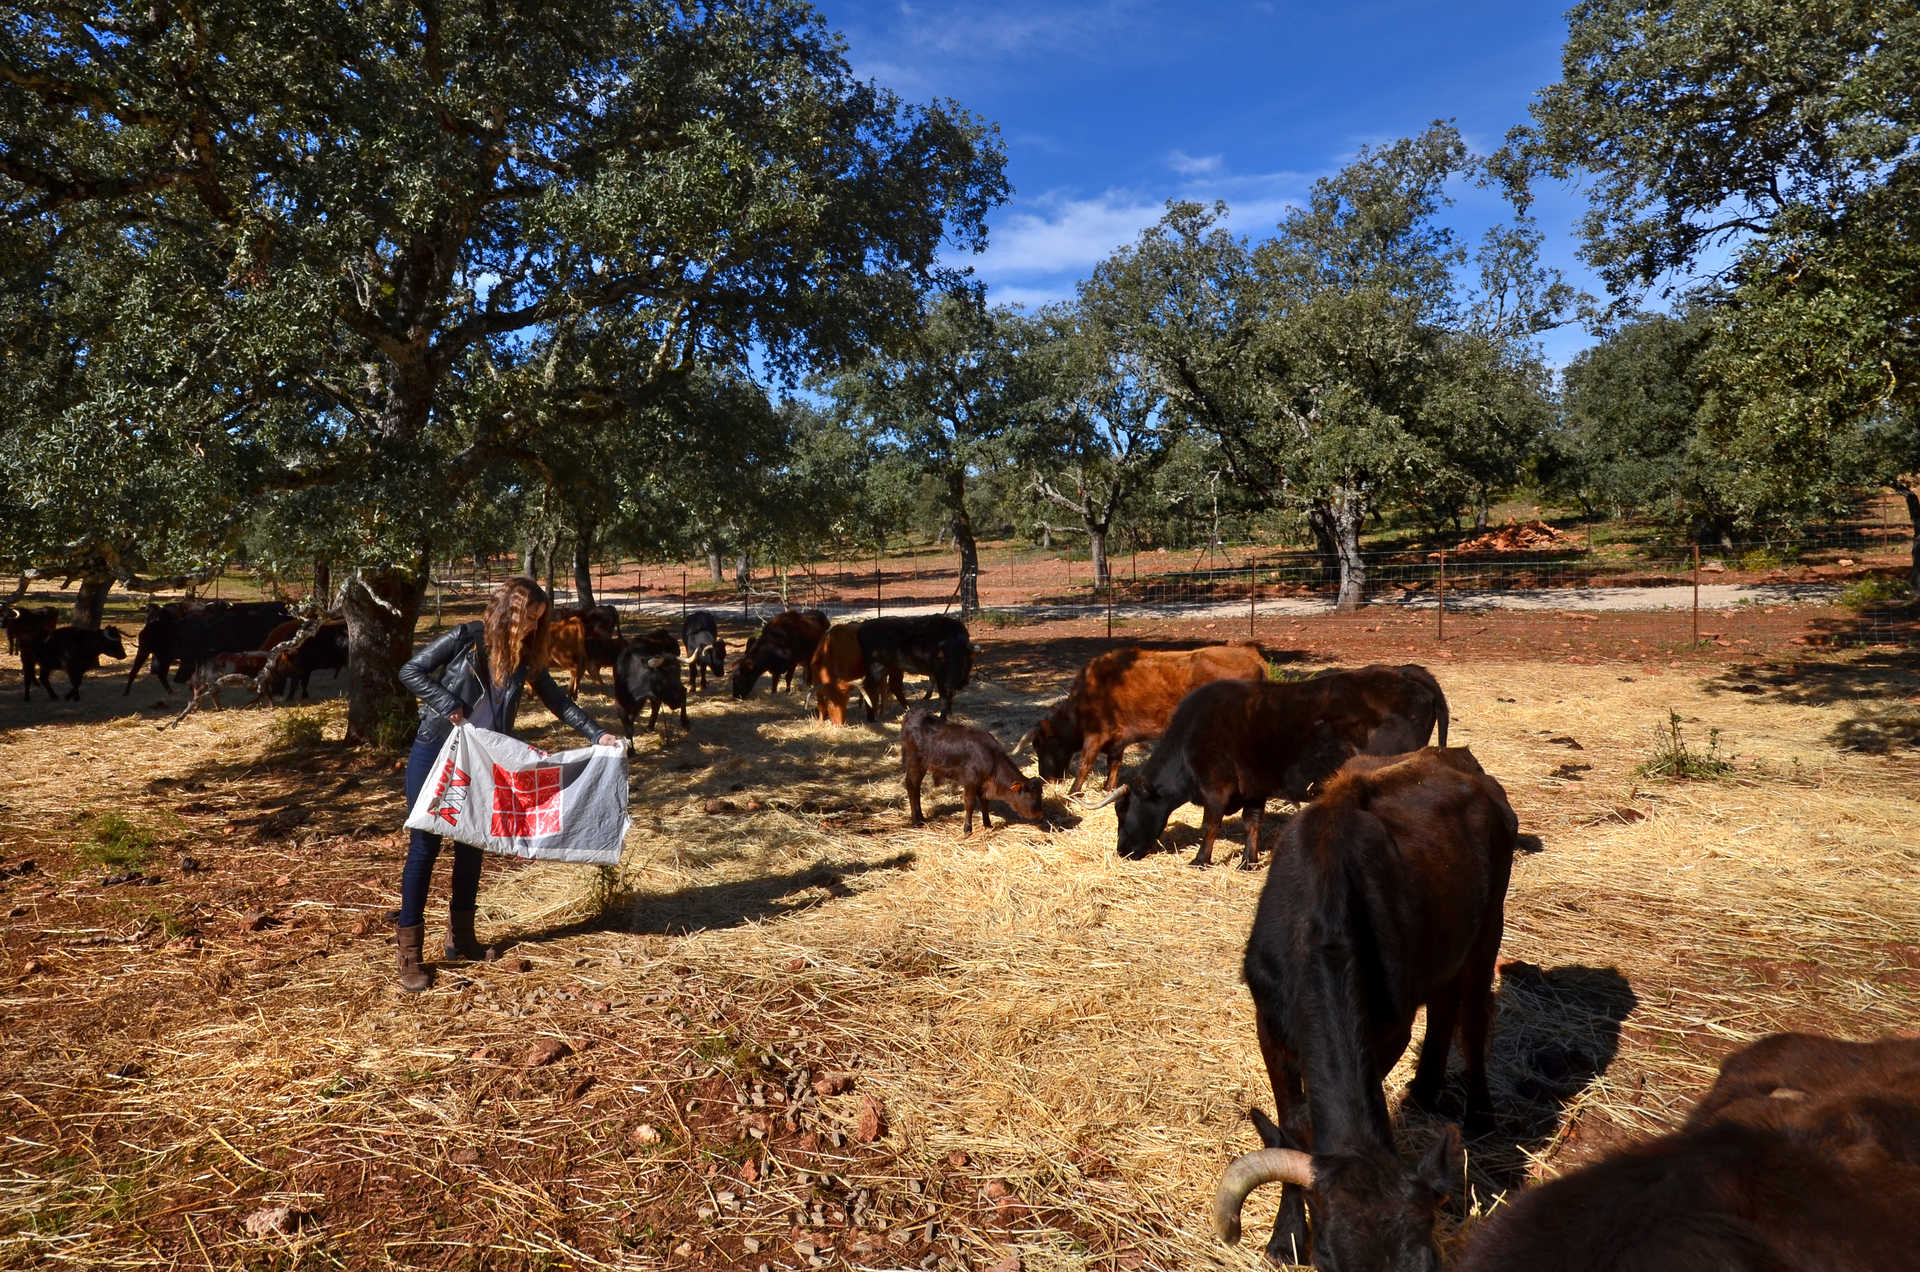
(793, 1032)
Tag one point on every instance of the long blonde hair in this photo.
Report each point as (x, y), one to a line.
(514, 635)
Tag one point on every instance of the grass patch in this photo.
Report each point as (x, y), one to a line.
(297, 730)
(998, 618)
(117, 842)
(1672, 757)
(1873, 591)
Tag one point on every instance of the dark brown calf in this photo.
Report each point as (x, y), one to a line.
(970, 758)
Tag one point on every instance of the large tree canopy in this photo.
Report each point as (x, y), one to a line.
(1776, 145)
(399, 239)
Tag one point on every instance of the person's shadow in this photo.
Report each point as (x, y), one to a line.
(716, 906)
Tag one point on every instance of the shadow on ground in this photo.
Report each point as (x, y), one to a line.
(718, 906)
(1882, 686)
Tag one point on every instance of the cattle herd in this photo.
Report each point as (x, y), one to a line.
(1385, 894)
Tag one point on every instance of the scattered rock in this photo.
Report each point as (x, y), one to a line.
(1620, 817)
(750, 1244)
(546, 1052)
(274, 1221)
(796, 964)
(599, 1006)
(464, 1156)
(33, 965)
(750, 1173)
(579, 1087)
(644, 1134)
(958, 1160)
(363, 926)
(257, 921)
(833, 1084)
(754, 806)
(714, 807)
(684, 1249)
(873, 1120)
(281, 881)
(1009, 1264)
(522, 964)
(190, 865)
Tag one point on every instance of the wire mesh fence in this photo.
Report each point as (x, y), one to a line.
(1846, 587)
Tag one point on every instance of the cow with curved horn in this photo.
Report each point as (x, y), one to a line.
(1234, 745)
(1805, 1154)
(1387, 895)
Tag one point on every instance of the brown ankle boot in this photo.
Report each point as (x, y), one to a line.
(461, 942)
(414, 975)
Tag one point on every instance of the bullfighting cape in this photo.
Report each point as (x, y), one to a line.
(499, 794)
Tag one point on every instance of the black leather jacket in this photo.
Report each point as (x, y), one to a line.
(459, 686)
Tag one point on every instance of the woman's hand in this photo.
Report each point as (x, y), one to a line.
(457, 718)
(606, 739)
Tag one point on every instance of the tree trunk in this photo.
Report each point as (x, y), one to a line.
(1343, 520)
(714, 564)
(1320, 522)
(1913, 517)
(382, 607)
(962, 526)
(1097, 549)
(91, 603)
(743, 570)
(322, 583)
(583, 563)
(553, 557)
(1480, 511)
(529, 557)
(1046, 536)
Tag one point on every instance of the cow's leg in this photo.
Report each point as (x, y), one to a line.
(26, 677)
(1115, 750)
(653, 717)
(1250, 818)
(1291, 1242)
(1209, 831)
(73, 678)
(1430, 1075)
(1476, 1022)
(626, 718)
(966, 799)
(1088, 750)
(869, 686)
(915, 774)
(683, 716)
(986, 822)
(139, 656)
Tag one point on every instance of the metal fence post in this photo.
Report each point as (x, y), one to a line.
(1253, 589)
(683, 598)
(1443, 596)
(876, 582)
(1696, 594)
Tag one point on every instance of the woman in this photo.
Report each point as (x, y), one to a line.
(473, 673)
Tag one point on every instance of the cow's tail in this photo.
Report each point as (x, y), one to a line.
(1440, 701)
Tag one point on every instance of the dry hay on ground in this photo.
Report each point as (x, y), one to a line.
(1058, 1040)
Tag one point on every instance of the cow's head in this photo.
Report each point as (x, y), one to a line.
(667, 685)
(1368, 1210)
(714, 657)
(1023, 797)
(112, 643)
(1142, 811)
(746, 672)
(1053, 748)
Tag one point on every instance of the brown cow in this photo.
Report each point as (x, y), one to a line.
(1232, 746)
(1805, 1154)
(1387, 894)
(567, 650)
(784, 644)
(1126, 696)
(836, 666)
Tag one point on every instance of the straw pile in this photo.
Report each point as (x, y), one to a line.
(797, 1030)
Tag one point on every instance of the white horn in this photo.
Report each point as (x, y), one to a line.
(1112, 795)
(1024, 739)
(1263, 1166)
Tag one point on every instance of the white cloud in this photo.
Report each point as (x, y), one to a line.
(1194, 165)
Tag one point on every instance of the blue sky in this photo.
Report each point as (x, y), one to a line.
(1110, 109)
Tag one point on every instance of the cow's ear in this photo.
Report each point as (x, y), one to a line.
(655, 662)
(1443, 1165)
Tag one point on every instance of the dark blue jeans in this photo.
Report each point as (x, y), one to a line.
(423, 849)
